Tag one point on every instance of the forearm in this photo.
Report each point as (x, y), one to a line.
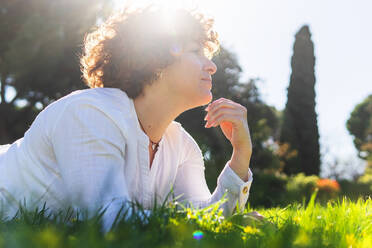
(239, 163)
(228, 182)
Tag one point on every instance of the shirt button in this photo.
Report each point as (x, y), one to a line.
(245, 190)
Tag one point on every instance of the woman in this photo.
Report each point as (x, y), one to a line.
(118, 140)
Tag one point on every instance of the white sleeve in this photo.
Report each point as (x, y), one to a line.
(191, 184)
(89, 150)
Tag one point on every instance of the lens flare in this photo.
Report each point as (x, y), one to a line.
(198, 235)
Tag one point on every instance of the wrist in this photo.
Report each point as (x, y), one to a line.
(239, 163)
(242, 151)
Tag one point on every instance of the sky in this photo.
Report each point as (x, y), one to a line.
(261, 34)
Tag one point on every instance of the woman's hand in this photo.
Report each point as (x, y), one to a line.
(252, 219)
(232, 119)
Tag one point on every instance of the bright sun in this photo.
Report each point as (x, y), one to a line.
(167, 4)
(168, 7)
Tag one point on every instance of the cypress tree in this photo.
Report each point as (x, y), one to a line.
(300, 129)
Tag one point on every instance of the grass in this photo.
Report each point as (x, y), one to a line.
(340, 223)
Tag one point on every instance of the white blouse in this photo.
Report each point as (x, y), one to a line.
(87, 150)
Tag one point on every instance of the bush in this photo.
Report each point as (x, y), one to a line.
(328, 189)
(275, 189)
(354, 190)
(267, 189)
(366, 179)
(299, 187)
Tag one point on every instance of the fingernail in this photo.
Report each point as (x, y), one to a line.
(207, 108)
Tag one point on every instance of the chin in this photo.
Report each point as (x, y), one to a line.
(200, 100)
(207, 99)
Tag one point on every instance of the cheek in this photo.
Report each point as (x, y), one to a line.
(186, 70)
(184, 74)
(191, 67)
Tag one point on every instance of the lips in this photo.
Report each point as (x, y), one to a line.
(207, 80)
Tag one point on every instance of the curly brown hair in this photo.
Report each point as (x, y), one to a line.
(131, 48)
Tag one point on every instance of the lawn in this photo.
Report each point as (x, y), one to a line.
(340, 223)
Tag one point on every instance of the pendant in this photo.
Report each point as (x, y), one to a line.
(153, 146)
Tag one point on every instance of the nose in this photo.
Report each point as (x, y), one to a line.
(210, 66)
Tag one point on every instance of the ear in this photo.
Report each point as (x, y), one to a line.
(176, 50)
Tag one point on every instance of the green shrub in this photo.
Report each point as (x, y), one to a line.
(355, 190)
(367, 180)
(300, 187)
(267, 190)
(275, 189)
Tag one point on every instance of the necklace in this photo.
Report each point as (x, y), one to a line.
(154, 145)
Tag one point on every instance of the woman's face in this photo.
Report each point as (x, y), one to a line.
(190, 76)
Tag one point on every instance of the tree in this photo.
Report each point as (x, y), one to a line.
(39, 50)
(13, 14)
(300, 129)
(360, 126)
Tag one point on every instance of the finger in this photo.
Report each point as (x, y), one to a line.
(223, 103)
(256, 214)
(233, 118)
(223, 110)
(210, 114)
(210, 105)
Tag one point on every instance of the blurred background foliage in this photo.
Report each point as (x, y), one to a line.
(39, 62)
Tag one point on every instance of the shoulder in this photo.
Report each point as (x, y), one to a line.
(87, 118)
(92, 106)
(97, 96)
(109, 102)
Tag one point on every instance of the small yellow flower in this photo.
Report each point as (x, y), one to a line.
(366, 242)
(350, 240)
(173, 221)
(297, 219)
(205, 217)
(251, 230)
(224, 227)
(190, 214)
(228, 224)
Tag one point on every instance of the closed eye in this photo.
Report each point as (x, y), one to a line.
(198, 51)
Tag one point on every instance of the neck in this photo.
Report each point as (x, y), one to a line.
(155, 112)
